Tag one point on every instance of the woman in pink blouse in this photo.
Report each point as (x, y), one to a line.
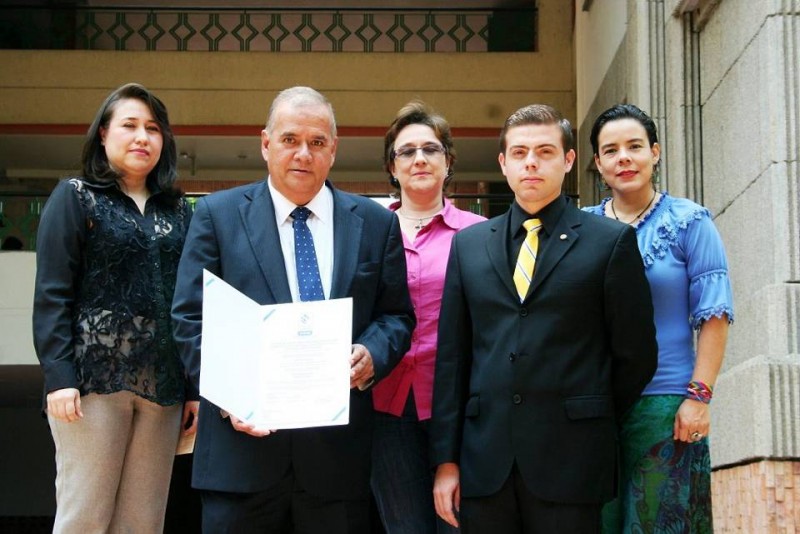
(419, 158)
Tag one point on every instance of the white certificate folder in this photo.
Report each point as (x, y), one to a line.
(276, 366)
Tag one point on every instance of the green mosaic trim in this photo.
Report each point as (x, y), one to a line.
(343, 33)
(275, 31)
(461, 33)
(214, 32)
(399, 26)
(244, 23)
(182, 38)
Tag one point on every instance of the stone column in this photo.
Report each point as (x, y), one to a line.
(750, 93)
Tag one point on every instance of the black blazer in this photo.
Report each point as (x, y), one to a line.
(233, 234)
(542, 382)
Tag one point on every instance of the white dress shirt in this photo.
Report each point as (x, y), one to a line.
(320, 223)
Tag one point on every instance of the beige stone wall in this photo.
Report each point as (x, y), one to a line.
(17, 273)
(599, 33)
(232, 88)
(604, 41)
(751, 153)
(761, 497)
(224, 88)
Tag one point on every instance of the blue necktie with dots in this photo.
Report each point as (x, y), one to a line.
(305, 257)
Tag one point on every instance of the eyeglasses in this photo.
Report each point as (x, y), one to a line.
(407, 153)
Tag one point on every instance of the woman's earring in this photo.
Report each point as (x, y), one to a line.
(656, 177)
(601, 184)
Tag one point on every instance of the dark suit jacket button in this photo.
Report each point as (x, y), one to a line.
(523, 312)
(512, 356)
(517, 399)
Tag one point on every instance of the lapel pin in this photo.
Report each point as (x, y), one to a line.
(562, 237)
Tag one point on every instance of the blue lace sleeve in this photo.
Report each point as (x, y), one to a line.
(710, 293)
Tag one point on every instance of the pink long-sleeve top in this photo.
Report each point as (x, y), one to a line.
(426, 259)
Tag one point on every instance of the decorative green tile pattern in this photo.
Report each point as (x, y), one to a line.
(461, 33)
(244, 32)
(88, 31)
(120, 31)
(368, 32)
(337, 32)
(306, 33)
(213, 32)
(152, 32)
(182, 32)
(395, 33)
(282, 31)
(275, 38)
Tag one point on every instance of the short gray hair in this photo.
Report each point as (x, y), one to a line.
(300, 96)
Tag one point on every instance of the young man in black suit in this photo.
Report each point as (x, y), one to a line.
(546, 337)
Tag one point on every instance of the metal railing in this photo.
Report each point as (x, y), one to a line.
(265, 29)
(20, 212)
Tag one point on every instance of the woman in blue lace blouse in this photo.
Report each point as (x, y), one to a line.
(665, 467)
(108, 247)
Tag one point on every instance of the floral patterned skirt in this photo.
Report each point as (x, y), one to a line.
(665, 485)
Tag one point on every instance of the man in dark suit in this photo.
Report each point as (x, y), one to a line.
(532, 372)
(306, 480)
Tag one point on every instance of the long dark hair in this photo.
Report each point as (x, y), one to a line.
(96, 167)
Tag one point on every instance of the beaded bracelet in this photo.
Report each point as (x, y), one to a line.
(699, 391)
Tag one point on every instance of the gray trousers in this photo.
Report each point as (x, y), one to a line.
(114, 465)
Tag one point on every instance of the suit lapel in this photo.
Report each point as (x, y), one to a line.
(347, 227)
(258, 218)
(563, 238)
(498, 252)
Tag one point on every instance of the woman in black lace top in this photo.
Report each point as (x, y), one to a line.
(107, 252)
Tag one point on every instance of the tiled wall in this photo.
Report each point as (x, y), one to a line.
(757, 498)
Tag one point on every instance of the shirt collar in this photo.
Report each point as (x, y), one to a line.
(549, 215)
(449, 214)
(321, 205)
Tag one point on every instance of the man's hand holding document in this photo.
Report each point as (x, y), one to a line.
(276, 366)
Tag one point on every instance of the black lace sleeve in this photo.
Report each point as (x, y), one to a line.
(59, 248)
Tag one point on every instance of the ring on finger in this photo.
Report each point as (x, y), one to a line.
(696, 436)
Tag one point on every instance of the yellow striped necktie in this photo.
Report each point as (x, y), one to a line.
(526, 261)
